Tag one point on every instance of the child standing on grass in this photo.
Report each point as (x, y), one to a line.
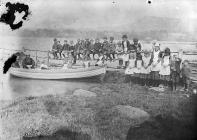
(165, 68)
(131, 66)
(186, 74)
(175, 71)
(119, 51)
(155, 65)
(138, 66)
(145, 71)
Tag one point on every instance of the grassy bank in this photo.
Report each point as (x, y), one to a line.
(72, 117)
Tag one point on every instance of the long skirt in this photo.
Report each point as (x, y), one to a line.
(155, 75)
(165, 77)
(145, 76)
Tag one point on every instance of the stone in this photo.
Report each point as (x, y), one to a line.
(84, 93)
(132, 112)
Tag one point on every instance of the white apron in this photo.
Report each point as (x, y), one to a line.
(125, 57)
(165, 66)
(131, 67)
(146, 61)
(139, 66)
(155, 66)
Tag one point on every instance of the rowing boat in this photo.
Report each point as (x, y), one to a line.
(72, 73)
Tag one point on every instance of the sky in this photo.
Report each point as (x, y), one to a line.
(103, 14)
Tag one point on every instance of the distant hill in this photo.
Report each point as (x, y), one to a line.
(160, 28)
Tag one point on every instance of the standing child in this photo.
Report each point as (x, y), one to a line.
(175, 71)
(165, 68)
(138, 64)
(155, 65)
(131, 66)
(186, 74)
(145, 71)
(119, 51)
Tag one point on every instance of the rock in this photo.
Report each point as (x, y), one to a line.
(84, 93)
(132, 112)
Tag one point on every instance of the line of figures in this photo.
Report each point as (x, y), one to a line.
(146, 67)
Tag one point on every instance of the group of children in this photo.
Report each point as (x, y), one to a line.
(156, 67)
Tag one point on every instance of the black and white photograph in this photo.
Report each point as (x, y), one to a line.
(98, 69)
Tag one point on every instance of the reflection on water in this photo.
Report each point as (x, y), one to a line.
(13, 87)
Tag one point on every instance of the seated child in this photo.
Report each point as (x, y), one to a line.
(43, 65)
(175, 71)
(100, 61)
(119, 51)
(86, 62)
(68, 61)
(186, 74)
(145, 70)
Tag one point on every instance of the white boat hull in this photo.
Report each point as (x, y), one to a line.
(58, 73)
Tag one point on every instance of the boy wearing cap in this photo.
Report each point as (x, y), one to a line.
(106, 49)
(98, 47)
(65, 48)
(125, 44)
(175, 67)
(136, 45)
(112, 47)
(54, 49)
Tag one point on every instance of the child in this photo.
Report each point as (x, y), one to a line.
(119, 51)
(175, 71)
(145, 71)
(86, 62)
(165, 68)
(43, 65)
(131, 66)
(138, 64)
(155, 65)
(68, 61)
(100, 61)
(186, 73)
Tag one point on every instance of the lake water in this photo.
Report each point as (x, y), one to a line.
(12, 87)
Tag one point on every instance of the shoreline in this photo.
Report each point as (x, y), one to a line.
(94, 117)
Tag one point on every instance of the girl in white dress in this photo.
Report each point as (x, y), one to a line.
(145, 70)
(131, 68)
(155, 65)
(138, 67)
(165, 68)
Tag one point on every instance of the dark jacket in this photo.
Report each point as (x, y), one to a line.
(28, 61)
(97, 47)
(65, 47)
(128, 45)
(105, 46)
(55, 46)
(134, 47)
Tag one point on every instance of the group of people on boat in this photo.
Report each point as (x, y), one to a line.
(82, 49)
(146, 67)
